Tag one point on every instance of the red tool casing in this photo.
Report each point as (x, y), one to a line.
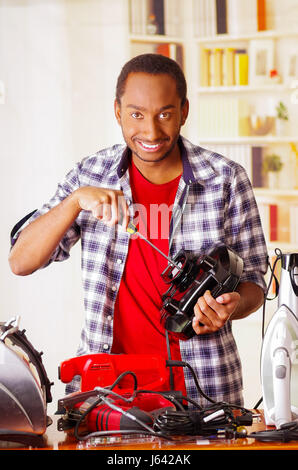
(102, 370)
(139, 373)
(143, 407)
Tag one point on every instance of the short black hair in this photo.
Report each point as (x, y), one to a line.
(154, 64)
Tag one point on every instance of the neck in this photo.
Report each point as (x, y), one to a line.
(162, 171)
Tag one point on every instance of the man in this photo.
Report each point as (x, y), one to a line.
(209, 201)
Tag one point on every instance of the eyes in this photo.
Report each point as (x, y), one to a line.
(163, 116)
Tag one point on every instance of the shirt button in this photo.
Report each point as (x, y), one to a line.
(109, 317)
(114, 288)
(119, 261)
(105, 346)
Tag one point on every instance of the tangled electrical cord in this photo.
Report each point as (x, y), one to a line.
(217, 419)
(103, 394)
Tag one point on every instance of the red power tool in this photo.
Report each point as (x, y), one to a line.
(102, 370)
(118, 392)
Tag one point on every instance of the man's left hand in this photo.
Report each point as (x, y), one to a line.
(211, 314)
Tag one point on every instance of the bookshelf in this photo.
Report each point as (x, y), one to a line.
(218, 105)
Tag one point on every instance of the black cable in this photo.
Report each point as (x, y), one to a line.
(185, 364)
(286, 433)
(121, 376)
(278, 253)
(168, 396)
(208, 421)
(193, 402)
(170, 422)
(101, 398)
(258, 403)
(97, 401)
(145, 430)
(170, 358)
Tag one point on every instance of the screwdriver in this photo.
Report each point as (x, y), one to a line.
(132, 229)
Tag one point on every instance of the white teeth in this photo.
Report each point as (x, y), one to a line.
(148, 146)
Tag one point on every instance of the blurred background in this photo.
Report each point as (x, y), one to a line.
(59, 62)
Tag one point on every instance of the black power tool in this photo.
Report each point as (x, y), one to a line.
(189, 276)
(219, 272)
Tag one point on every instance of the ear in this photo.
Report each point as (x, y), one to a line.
(117, 111)
(184, 112)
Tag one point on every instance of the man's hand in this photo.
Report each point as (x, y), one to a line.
(39, 239)
(211, 314)
(107, 205)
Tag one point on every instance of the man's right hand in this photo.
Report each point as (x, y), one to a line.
(40, 238)
(107, 205)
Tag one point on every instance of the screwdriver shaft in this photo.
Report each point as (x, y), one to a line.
(133, 229)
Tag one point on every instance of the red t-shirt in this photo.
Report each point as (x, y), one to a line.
(137, 325)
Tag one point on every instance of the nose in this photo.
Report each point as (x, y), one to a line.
(151, 130)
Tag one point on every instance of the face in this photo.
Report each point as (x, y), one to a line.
(150, 115)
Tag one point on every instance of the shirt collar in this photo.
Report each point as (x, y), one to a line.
(197, 167)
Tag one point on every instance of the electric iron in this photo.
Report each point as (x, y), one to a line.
(279, 355)
(24, 389)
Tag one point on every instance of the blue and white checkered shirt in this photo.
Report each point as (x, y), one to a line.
(214, 205)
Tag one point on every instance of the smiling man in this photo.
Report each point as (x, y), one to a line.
(180, 196)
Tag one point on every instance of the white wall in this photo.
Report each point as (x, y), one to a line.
(59, 60)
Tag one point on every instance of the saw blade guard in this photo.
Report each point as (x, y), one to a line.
(24, 388)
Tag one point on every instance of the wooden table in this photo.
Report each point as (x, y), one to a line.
(65, 440)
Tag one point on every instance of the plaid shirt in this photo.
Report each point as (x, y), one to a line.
(214, 205)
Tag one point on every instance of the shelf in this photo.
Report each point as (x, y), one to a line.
(283, 246)
(252, 140)
(247, 37)
(155, 38)
(276, 193)
(245, 88)
(253, 93)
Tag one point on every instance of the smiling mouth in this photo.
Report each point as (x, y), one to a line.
(150, 147)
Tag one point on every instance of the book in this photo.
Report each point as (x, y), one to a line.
(283, 228)
(257, 167)
(242, 17)
(171, 50)
(265, 220)
(240, 112)
(241, 67)
(273, 214)
(157, 9)
(261, 11)
(221, 16)
(204, 66)
(217, 76)
(222, 117)
(210, 17)
(238, 153)
(269, 219)
(228, 66)
(213, 65)
(199, 18)
(172, 17)
(294, 224)
(139, 14)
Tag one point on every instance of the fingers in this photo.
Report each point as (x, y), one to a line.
(211, 314)
(107, 205)
(123, 213)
